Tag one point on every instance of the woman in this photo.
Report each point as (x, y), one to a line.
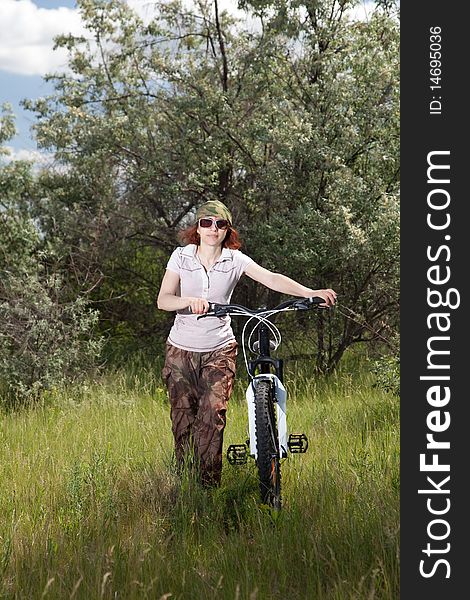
(200, 354)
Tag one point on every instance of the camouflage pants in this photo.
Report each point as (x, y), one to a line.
(199, 387)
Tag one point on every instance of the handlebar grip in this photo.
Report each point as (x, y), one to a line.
(315, 300)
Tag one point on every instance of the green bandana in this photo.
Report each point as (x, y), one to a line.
(214, 208)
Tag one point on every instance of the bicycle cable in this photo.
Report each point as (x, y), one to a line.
(273, 329)
(262, 317)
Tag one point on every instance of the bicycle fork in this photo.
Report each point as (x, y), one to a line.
(280, 396)
(296, 443)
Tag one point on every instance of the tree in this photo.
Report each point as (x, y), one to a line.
(46, 338)
(294, 126)
(337, 183)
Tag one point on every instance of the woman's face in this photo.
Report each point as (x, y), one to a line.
(213, 235)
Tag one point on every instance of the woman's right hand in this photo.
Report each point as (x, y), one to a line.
(198, 306)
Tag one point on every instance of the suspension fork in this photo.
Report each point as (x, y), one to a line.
(264, 362)
(265, 365)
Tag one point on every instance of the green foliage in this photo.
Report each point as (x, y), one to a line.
(387, 372)
(294, 125)
(7, 125)
(46, 337)
(44, 340)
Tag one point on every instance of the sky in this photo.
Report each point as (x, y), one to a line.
(27, 29)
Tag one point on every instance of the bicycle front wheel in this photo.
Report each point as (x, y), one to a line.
(268, 462)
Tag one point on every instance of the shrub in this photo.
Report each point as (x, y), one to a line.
(43, 341)
(387, 373)
(46, 338)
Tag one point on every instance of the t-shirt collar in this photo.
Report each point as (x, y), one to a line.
(190, 251)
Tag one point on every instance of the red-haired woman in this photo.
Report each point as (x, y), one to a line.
(200, 354)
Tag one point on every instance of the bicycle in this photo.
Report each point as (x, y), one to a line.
(268, 440)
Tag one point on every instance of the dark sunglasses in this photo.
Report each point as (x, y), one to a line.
(208, 221)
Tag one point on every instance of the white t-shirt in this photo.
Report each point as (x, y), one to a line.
(217, 285)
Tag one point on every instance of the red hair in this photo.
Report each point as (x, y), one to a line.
(191, 236)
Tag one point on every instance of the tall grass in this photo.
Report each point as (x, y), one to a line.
(90, 506)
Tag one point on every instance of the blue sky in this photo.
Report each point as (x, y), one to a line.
(25, 51)
(13, 88)
(55, 3)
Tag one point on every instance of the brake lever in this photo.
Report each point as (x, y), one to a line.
(214, 311)
(301, 304)
(306, 303)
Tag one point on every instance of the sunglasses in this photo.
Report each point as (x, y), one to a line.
(208, 221)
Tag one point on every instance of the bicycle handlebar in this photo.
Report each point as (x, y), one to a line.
(221, 310)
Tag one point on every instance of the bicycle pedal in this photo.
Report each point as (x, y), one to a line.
(236, 454)
(298, 443)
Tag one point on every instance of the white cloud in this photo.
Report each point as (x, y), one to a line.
(361, 11)
(27, 31)
(146, 8)
(39, 159)
(26, 36)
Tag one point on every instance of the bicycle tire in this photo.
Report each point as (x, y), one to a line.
(268, 461)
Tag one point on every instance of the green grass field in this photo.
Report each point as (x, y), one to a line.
(90, 506)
